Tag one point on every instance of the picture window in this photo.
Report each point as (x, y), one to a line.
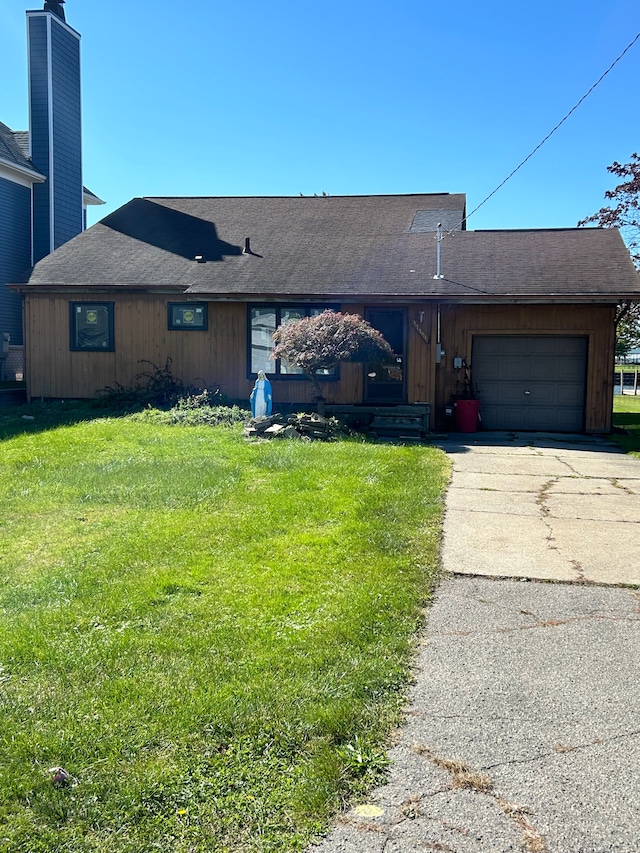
(263, 320)
(91, 326)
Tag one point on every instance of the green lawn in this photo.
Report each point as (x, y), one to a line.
(626, 415)
(212, 637)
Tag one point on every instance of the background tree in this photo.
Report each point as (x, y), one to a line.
(324, 341)
(624, 213)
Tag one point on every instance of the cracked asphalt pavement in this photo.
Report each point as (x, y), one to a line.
(522, 729)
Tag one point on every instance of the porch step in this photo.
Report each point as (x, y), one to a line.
(408, 422)
(397, 426)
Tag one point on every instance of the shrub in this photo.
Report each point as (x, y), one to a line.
(156, 387)
(197, 410)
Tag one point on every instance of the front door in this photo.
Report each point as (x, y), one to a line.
(386, 384)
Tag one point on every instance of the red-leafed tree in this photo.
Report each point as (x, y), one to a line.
(624, 213)
(322, 342)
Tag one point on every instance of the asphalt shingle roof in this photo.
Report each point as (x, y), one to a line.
(347, 247)
(14, 148)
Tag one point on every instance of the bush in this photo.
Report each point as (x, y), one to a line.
(197, 410)
(157, 388)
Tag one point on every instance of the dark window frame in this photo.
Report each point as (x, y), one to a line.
(177, 327)
(278, 307)
(73, 329)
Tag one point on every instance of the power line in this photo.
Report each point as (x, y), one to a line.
(550, 134)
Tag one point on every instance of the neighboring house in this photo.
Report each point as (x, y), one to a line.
(631, 357)
(42, 200)
(527, 316)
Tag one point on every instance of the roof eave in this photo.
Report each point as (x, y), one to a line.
(368, 298)
(22, 171)
(338, 296)
(60, 287)
(91, 198)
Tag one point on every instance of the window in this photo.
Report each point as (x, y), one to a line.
(188, 316)
(263, 321)
(91, 326)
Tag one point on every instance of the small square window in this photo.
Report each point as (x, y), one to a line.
(91, 326)
(188, 316)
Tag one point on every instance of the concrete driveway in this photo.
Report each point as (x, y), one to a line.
(522, 730)
(542, 506)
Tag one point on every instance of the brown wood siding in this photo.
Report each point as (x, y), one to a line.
(459, 323)
(218, 356)
(419, 363)
(215, 357)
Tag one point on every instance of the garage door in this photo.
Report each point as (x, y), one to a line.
(531, 382)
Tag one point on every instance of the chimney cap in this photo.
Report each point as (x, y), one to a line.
(55, 6)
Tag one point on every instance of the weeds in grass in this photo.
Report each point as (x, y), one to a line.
(201, 409)
(363, 759)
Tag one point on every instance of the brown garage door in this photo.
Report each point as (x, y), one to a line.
(530, 382)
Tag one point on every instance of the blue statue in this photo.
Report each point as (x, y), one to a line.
(261, 397)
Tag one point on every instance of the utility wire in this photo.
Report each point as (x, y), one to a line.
(550, 134)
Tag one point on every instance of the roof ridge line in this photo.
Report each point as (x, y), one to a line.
(292, 197)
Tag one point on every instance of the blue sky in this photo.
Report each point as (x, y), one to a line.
(283, 97)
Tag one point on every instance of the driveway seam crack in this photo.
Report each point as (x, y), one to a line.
(561, 749)
(545, 512)
(563, 461)
(617, 485)
(465, 778)
(543, 623)
(546, 517)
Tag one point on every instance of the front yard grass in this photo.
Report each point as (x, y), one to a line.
(626, 415)
(212, 637)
